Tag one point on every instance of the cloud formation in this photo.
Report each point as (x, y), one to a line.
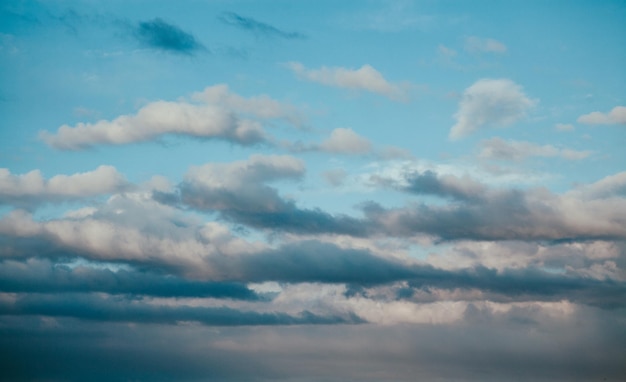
(239, 192)
(616, 116)
(366, 78)
(30, 189)
(257, 27)
(497, 148)
(160, 35)
(490, 103)
(482, 213)
(216, 113)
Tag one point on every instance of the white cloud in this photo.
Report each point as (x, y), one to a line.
(262, 106)
(346, 141)
(616, 116)
(490, 103)
(365, 78)
(496, 148)
(341, 141)
(216, 113)
(564, 127)
(475, 44)
(32, 187)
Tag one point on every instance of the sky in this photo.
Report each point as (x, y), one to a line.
(312, 190)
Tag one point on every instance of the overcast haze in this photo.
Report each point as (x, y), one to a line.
(312, 191)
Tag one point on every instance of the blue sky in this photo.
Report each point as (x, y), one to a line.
(253, 191)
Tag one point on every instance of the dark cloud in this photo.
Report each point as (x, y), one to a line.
(43, 276)
(257, 27)
(161, 35)
(485, 347)
(99, 308)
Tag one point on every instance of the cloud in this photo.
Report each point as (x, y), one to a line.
(616, 116)
(30, 189)
(341, 141)
(365, 78)
(238, 191)
(257, 27)
(43, 276)
(465, 351)
(158, 34)
(490, 103)
(475, 44)
(94, 307)
(335, 177)
(564, 127)
(500, 214)
(497, 148)
(215, 113)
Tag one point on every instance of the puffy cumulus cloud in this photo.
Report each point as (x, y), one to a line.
(343, 140)
(215, 114)
(475, 44)
(160, 35)
(257, 27)
(239, 192)
(616, 116)
(497, 148)
(365, 78)
(490, 103)
(502, 214)
(30, 189)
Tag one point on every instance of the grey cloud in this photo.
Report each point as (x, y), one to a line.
(43, 276)
(238, 191)
(158, 34)
(257, 27)
(483, 213)
(93, 307)
(478, 349)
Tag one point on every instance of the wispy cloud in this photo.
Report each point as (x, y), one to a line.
(497, 148)
(475, 44)
(366, 78)
(160, 35)
(257, 27)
